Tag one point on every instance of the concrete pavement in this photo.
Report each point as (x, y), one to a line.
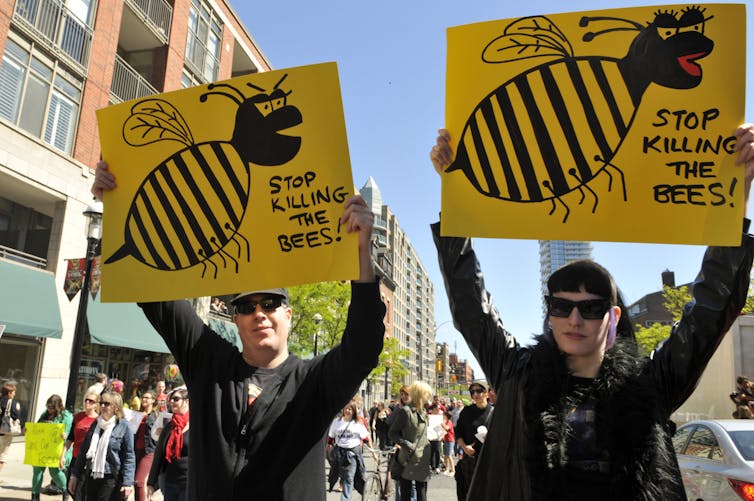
(15, 479)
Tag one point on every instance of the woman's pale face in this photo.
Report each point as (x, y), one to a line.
(348, 413)
(577, 336)
(178, 404)
(107, 408)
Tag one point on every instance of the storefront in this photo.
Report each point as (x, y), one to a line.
(29, 312)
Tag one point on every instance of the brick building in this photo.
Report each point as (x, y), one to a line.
(56, 70)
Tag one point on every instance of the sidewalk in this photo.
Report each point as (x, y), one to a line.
(16, 477)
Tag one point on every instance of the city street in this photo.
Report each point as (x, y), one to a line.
(441, 488)
(15, 481)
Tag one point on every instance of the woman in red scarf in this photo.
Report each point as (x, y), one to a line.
(169, 470)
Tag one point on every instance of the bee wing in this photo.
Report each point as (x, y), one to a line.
(528, 37)
(154, 120)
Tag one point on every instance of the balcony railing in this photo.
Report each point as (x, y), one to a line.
(22, 257)
(127, 83)
(58, 27)
(157, 13)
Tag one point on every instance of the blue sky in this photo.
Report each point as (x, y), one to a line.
(391, 61)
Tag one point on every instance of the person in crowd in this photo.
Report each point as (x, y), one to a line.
(169, 472)
(582, 414)
(380, 427)
(12, 407)
(472, 417)
(403, 400)
(436, 436)
(348, 433)
(54, 413)
(409, 433)
(262, 412)
(100, 382)
(161, 397)
(82, 422)
(106, 461)
(144, 444)
(448, 444)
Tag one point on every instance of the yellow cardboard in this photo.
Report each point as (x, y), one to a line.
(44, 444)
(188, 219)
(556, 137)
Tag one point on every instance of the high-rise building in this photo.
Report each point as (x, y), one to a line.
(555, 253)
(410, 299)
(55, 71)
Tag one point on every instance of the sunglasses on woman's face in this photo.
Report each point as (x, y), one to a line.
(476, 391)
(89, 401)
(589, 309)
(105, 404)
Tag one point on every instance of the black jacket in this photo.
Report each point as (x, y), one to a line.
(284, 455)
(160, 464)
(524, 457)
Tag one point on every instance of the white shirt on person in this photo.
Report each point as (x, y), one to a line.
(347, 434)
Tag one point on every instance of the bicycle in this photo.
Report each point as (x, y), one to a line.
(377, 483)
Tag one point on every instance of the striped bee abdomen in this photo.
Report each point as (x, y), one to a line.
(185, 211)
(546, 132)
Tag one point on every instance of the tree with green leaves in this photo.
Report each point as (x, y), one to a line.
(319, 313)
(391, 359)
(674, 299)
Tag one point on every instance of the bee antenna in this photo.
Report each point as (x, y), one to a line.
(280, 81)
(586, 20)
(591, 35)
(213, 86)
(255, 87)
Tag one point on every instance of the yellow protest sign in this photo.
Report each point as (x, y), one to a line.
(227, 187)
(44, 444)
(610, 125)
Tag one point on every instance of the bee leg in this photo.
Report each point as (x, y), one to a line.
(556, 197)
(610, 182)
(204, 261)
(221, 252)
(248, 251)
(583, 196)
(219, 247)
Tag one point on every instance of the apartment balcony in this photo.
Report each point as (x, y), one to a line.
(127, 84)
(156, 15)
(22, 257)
(53, 25)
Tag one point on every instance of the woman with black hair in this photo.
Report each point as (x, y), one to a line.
(580, 414)
(54, 413)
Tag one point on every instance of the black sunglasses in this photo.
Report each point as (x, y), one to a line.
(176, 399)
(89, 401)
(589, 309)
(105, 404)
(476, 391)
(268, 304)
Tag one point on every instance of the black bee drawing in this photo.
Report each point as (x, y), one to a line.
(552, 129)
(190, 206)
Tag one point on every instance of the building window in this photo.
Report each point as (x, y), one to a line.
(38, 96)
(205, 34)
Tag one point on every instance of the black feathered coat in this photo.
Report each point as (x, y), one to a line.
(525, 455)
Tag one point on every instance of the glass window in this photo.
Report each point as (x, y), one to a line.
(703, 444)
(744, 441)
(19, 365)
(204, 39)
(39, 96)
(680, 438)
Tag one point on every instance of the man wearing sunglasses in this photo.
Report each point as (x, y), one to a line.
(259, 416)
(580, 414)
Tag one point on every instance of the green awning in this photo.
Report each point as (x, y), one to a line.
(226, 329)
(29, 301)
(122, 324)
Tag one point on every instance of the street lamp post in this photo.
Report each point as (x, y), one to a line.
(93, 214)
(317, 321)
